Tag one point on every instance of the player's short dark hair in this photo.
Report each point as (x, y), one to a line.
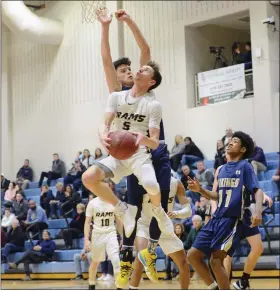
(121, 61)
(157, 75)
(247, 142)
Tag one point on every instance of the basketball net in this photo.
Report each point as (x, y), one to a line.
(91, 10)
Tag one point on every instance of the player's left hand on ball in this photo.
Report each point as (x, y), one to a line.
(121, 15)
(172, 214)
(256, 220)
(140, 138)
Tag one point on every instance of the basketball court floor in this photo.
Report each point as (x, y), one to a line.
(145, 284)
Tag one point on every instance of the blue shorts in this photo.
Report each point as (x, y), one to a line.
(161, 163)
(244, 230)
(217, 234)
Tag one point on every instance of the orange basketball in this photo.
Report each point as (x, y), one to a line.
(122, 144)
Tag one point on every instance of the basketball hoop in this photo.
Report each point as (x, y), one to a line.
(90, 9)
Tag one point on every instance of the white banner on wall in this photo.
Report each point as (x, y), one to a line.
(222, 84)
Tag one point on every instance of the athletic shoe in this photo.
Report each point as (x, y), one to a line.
(148, 261)
(26, 278)
(164, 222)
(124, 275)
(168, 277)
(128, 219)
(241, 285)
(101, 278)
(91, 287)
(13, 265)
(108, 278)
(79, 277)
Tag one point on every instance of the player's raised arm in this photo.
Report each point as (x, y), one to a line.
(145, 53)
(214, 189)
(110, 72)
(194, 186)
(186, 210)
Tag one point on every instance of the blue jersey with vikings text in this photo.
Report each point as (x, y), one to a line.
(161, 134)
(237, 184)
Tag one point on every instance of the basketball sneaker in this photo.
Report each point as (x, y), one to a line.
(124, 275)
(241, 285)
(148, 260)
(127, 214)
(164, 222)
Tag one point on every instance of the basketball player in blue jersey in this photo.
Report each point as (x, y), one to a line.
(236, 184)
(119, 78)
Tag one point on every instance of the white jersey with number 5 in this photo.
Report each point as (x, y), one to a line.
(103, 215)
(134, 114)
(147, 214)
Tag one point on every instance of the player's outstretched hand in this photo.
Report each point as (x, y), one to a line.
(256, 220)
(193, 184)
(103, 17)
(121, 15)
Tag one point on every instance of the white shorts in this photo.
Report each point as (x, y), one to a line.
(102, 243)
(123, 168)
(169, 244)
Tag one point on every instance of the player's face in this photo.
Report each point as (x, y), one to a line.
(125, 76)
(144, 76)
(234, 147)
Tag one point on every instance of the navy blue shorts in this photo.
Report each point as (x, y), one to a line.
(217, 234)
(244, 230)
(161, 163)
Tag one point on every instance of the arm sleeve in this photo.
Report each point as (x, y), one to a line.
(155, 115)
(112, 104)
(185, 212)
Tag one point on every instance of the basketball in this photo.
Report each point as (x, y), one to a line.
(122, 144)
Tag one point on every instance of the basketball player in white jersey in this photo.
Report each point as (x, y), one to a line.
(171, 245)
(137, 111)
(104, 236)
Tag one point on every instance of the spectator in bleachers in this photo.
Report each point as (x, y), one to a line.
(79, 156)
(74, 175)
(180, 232)
(197, 224)
(24, 175)
(88, 159)
(10, 194)
(227, 138)
(72, 198)
(55, 204)
(20, 207)
(45, 198)
(276, 179)
(186, 173)
(36, 218)
(203, 209)
(58, 171)
(78, 258)
(43, 251)
(4, 183)
(177, 152)
(191, 153)
(98, 155)
(14, 242)
(7, 219)
(220, 157)
(258, 160)
(76, 227)
(3, 238)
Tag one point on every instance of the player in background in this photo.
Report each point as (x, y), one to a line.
(119, 77)
(171, 245)
(236, 184)
(103, 238)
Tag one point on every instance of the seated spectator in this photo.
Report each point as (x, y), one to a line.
(203, 209)
(186, 173)
(55, 204)
(7, 219)
(74, 176)
(276, 179)
(197, 224)
(177, 152)
(20, 207)
(204, 176)
(220, 157)
(4, 183)
(10, 194)
(191, 153)
(179, 231)
(45, 198)
(58, 171)
(98, 155)
(43, 251)
(14, 242)
(24, 175)
(76, 227)
(78, 258)
(258, 160)
(36, 219)
(227, 138)
(72, 198)
(88, 159)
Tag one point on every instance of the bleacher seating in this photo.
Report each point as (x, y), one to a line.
(63, 259)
